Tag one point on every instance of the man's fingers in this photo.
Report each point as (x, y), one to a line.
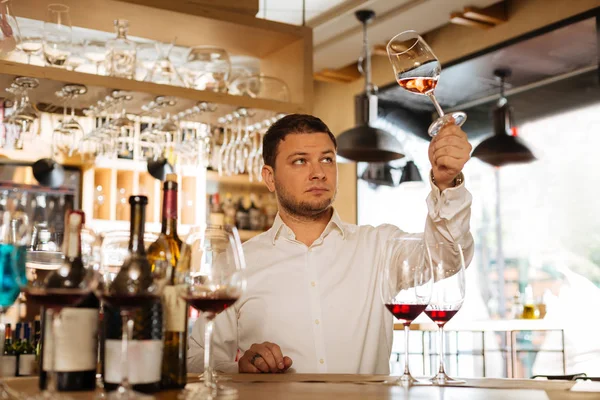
(450, 129)
(245, 366)
(450, 151)
(450, 163)
(277, 354)
(287, 362)
(267, 357)
(452, 140)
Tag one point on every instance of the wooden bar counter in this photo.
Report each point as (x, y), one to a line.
(351, 387)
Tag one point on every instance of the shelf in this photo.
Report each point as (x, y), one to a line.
(52, 79)
(238, 180)
(238, 33)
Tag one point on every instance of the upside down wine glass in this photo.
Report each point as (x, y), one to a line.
(448, 265)
(417, 70)
(406, 284)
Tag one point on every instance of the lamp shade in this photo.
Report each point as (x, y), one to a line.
(410, 173)
(378, 174)
(503, 148)
(369, 144)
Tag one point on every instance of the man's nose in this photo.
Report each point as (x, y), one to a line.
(317, 172)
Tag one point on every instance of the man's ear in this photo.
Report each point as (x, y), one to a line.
(268, 177)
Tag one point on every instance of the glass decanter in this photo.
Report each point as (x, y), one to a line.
(121, 53)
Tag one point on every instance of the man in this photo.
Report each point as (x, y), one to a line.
(313, 297)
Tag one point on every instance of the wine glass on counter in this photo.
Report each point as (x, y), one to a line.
(406, 284)
(15, 235)
(57, 35)
(418, 70)
(131, 293)
(210, 277)
(448, 266)
(32, 40)
(66, 286)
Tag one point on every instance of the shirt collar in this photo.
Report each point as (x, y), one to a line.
(334, 223)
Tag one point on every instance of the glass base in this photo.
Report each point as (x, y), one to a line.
(204, 393)
(128, 394)
(46, 395)
(459, 119)
(7, 393)
(442, 379)
(407, 380)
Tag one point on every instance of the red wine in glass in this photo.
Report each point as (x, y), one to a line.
(56, 298)
(441, 317)
(406, 313)
(420, 85)
(210, 304)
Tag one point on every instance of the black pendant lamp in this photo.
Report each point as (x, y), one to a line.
(380, 174)
(503, 148)
(365, 142)
(410, 173)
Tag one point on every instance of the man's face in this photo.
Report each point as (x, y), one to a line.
(305, 174)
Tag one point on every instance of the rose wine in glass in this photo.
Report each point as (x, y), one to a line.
(448, 266)
(406, 283)
(417, 70)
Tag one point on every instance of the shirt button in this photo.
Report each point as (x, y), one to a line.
(317, 321)
(322, 361)
(313, 284)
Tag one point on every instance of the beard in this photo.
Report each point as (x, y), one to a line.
(303, 209)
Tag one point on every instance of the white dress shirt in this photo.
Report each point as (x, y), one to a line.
(321, 304)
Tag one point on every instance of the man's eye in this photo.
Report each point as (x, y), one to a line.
(299, 161)
(328, 160)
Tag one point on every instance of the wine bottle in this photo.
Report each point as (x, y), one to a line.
(145, 351)
(9, 361)
(26, 359)
(76, 341)
(174, 307)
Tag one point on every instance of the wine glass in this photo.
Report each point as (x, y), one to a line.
(208, 68)
(15, 235)
(10, 35)
(132, 287)
(67, 285)
(57, 35)
(406, 283)
(210, 277)
(95, 52)
(448, 266)
(417, 70)
(32, 41)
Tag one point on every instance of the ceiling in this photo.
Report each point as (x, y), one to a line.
(552, 71)
(337, 35)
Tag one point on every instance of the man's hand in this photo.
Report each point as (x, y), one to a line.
(265, 357)
(449, 150)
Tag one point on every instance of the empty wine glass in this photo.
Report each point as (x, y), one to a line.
(406, 283)
(448, 267)
(57, 35)
(208, 68)
(262, 86)
(32, 41)
(417, 70)
(10, 34)
(95, 52)
(76, 56)
(210, 277)
(163, 72)
(15, 235)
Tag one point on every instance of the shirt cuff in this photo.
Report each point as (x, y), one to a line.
(447, 204)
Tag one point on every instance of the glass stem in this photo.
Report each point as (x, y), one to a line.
(437, 106)
(208, 370)
(52, 382)
(442, 350)
(406, 332)
(127, 334)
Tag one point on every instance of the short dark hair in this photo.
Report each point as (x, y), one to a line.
(288, 125)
